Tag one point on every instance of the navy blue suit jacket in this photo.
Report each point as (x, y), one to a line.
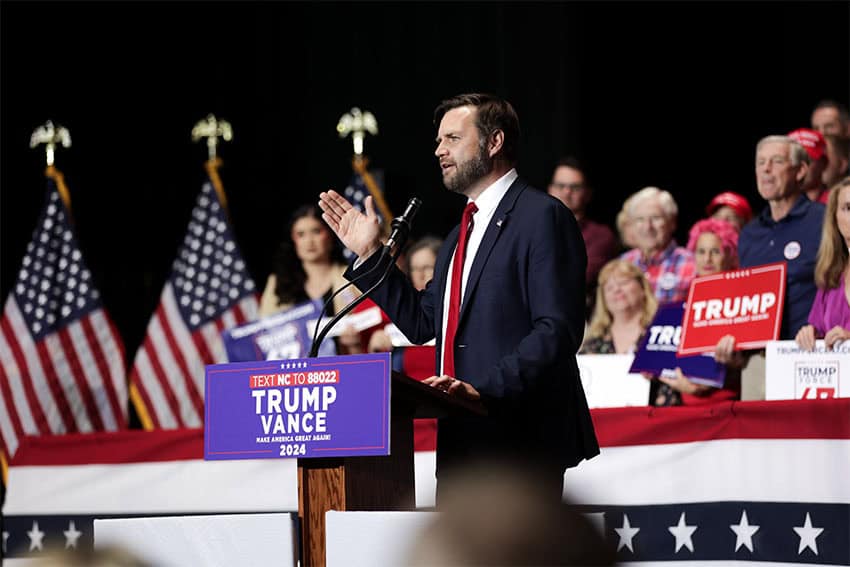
(521, 324)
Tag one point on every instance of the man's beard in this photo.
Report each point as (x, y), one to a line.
(470, 171)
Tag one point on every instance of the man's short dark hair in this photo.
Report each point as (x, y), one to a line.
(494, 113)
(571, 162)
(843, 114)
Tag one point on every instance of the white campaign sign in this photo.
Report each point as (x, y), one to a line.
(793, 374)
(607, 382)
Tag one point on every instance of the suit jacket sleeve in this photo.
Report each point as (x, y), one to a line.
(411, 310)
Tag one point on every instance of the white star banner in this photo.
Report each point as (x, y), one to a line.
(747, 483)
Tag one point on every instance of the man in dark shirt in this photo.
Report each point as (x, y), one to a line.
(788, 229)
(571, 188)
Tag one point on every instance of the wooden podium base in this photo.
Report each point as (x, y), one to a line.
(354, 484)
(366, 484)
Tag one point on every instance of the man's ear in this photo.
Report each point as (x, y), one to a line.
(802, 171)
(495, 142)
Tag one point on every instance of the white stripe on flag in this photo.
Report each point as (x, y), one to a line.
(149, 382)
(173, 373)
(65, 376)
(92, 374)
(42, 389)
(228, 318)
(114, 356)
(249, 307)
(181, 335)
(214, 343)
(719, 470)
(19, 397)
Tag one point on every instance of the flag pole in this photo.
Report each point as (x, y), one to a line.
(212, 129)
(52, 136)
(358, 124)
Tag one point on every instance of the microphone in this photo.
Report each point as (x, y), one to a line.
(401, 229)
(401, 225)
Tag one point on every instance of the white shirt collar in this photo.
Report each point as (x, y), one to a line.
(490, 198)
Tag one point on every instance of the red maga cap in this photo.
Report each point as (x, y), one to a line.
(737, 202)
(812, 140)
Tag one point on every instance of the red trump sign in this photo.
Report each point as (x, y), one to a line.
(745, 303)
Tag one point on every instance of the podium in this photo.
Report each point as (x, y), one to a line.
(383, 483)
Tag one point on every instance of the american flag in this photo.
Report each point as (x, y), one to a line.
(209, 290)
(61, 357)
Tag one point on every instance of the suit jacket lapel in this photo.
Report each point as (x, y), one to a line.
(494, 229)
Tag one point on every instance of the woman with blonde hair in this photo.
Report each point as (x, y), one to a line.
(625, 306)
(829, 317)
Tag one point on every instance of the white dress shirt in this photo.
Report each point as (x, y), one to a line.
(487, 202)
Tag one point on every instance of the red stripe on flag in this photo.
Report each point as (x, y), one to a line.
(804, 419)
(78, 373)
(35, 406)
(128, 446)
(201, 345)
(237, 313)
(13, 410)
(194, 395)
(161, 377)
(103, 370)
(56, 387)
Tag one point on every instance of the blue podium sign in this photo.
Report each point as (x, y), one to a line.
(311, 407)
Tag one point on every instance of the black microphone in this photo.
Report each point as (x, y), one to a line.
(401, 225)
(401, 229)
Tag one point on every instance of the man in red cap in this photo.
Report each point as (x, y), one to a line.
(730, 207)
(815, 147)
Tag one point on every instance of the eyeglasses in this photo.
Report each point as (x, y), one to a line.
(570, 186)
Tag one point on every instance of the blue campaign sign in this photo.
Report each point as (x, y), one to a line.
(656, 353)
(281, 336)
(310, 407)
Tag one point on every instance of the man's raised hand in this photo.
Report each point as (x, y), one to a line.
(360, 233)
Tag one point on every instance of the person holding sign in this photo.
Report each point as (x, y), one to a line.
(829, 317)
(714, 244)
(309, 265)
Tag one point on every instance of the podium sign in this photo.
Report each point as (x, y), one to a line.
(796, 374)
(310, 407)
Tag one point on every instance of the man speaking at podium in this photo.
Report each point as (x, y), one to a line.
(506, 304)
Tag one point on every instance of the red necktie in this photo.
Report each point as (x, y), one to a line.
(454, 295)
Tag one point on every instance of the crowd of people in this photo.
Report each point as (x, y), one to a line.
(631, 271)
(805, 221)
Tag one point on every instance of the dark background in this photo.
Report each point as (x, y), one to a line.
(667, 94)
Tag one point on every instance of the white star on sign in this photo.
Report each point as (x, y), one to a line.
(744, 532)
(36, 537)
(626, 533)
(683, 533)
(808, 535)
(72, 535)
